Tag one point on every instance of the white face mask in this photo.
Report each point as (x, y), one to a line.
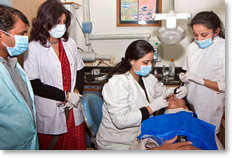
(58, 31)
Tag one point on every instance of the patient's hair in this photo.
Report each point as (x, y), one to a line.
(189, 106)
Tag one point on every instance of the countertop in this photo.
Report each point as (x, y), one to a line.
(97, 79)
(93, 80)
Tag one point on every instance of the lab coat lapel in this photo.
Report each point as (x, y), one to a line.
(51, 51)
(147, 89)
(26, 80)
(141, 91)
(9, 83)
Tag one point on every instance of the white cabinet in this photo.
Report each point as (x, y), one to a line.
(74, 28)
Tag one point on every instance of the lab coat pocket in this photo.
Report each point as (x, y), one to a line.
(45, 107)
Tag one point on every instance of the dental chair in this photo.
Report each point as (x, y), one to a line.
(92, 112)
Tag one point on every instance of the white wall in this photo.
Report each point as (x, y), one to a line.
(103, 18)
(6, 2)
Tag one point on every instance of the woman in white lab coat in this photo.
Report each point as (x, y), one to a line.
(53, 66)
(130, 96)
(205, 66)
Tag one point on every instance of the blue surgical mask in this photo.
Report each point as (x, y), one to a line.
(58, 31)
(144, 70)
(204, 43)
(21, 45)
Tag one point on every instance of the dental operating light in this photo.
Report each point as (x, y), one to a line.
(171, 33)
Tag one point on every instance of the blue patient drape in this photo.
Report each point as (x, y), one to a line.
(167, 126)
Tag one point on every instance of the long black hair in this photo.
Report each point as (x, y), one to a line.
(48, 16)
(135, 51)
(210, 20)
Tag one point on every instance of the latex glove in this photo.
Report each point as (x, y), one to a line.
(69, 105)
(195, 78)
(186, 77)
(73, 100)
(181, 92)
(158, 104)
(183, 77)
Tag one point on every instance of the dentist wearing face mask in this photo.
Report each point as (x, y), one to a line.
(55, 69)
(131, 95)
(18, 129)
(205, 66)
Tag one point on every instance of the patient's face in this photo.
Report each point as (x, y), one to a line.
(174, 103)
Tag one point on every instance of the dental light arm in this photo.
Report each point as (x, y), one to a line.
(171, 34)
(90, 56)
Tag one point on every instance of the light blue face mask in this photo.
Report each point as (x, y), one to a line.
(204, 43)
(144, 70)
(21, 45)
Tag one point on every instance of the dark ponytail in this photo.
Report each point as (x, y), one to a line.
(135, 51)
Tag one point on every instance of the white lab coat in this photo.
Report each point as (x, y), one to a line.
(208, 63)
(123, 97)
(42, 63)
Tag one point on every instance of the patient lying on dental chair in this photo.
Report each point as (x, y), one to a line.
(177, 127)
